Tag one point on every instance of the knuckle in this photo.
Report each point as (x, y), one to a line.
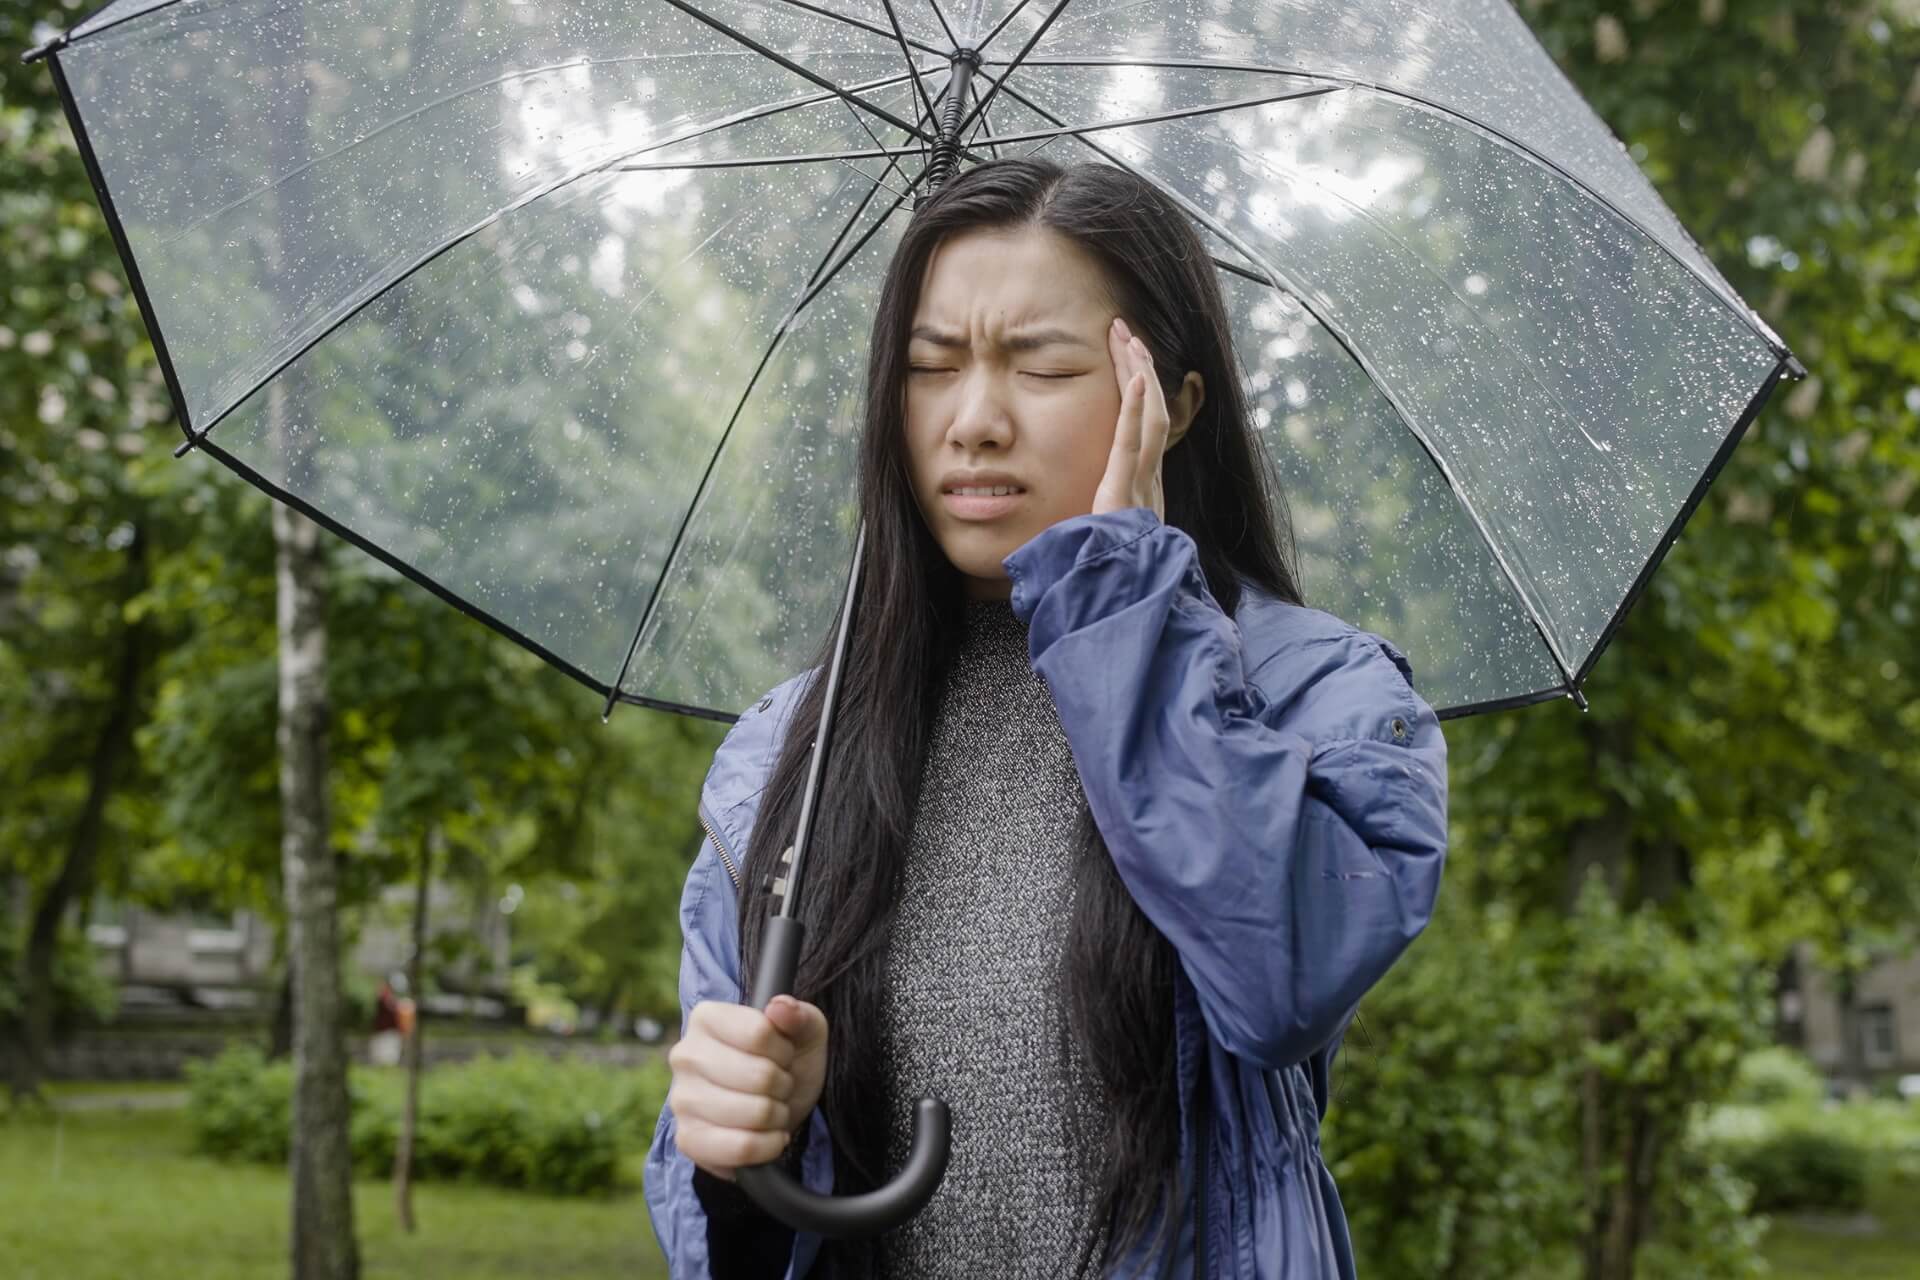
(744, 1148)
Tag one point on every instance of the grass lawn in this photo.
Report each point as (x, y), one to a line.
(1815, 1248)
(106, 1195)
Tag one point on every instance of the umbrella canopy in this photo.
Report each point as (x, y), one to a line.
(561, 309)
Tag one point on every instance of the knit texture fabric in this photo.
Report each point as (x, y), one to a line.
(973, 1008)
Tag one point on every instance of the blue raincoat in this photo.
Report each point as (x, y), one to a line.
(1274, 796)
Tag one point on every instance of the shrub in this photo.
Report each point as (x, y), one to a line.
(1798, 1168)
(240, 1106)
(1777, 1075)
(83, 994)
(523, 1121)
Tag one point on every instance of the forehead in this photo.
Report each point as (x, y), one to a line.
(1005, 278)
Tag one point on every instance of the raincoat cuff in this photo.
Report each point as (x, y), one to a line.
(1055, 551)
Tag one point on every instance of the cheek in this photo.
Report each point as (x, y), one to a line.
(1079, 437)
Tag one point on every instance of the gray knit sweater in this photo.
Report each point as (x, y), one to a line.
(973, 1012)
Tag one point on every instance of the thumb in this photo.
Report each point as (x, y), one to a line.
(798, 1021)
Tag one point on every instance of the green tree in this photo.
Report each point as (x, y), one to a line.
(83, 425)
(1744, 780)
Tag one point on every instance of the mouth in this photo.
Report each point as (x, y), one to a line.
(981, 501)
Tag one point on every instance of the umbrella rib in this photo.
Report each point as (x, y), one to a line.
(845, 227)
(900, 35)
(1280, 281)
(1179, 113)
(420, 263)
(892, 164)
(781, 59)
(66, 38)
(1687, 508)
(773, 345)
(944, 24)
(397, 121)
(921, 45)
(413, 573)
(1001, 25)
(762, 113)
(980, 105)
(993, 143)
(878, 183)
(1744, 313)
(90, 162)
(1367, 215)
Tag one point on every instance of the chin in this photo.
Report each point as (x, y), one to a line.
(978, 553)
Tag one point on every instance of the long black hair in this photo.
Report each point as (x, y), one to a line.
(1219, 488)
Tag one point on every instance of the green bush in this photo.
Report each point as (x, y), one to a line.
(1776, 1075)
(523, 1121)
(83, 994)
(1797, 1168)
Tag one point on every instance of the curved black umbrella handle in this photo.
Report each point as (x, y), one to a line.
(776, 1191)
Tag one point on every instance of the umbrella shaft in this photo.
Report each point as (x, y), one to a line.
(816, 765)
(953, 106)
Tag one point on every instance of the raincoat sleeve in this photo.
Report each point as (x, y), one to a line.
(706, 1226)
(1284, 827)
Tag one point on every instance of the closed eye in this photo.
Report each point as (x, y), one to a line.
(1031, 373)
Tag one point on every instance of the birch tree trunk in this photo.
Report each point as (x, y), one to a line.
(323, 1244)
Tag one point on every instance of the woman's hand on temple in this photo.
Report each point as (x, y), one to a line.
(1132, 478)
(744, 1082)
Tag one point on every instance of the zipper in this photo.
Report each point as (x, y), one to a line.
(720, 848)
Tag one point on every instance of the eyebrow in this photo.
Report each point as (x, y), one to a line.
(1027, 341)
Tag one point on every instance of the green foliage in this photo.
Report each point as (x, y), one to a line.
(1463, 1099)
(1799, 1168)
(82, 994)
(1450, 1126)
(241, 1105)
(1777, 1074)
(524, 1121)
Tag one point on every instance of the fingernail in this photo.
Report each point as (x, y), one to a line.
(1125, 333)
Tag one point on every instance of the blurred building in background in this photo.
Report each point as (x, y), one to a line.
(189, 965)
(1859, 1032)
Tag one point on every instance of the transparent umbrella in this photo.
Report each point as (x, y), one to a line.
(560, 309)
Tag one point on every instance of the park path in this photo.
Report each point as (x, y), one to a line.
(145, 1100)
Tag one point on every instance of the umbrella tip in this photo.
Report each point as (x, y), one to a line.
(1579, 698)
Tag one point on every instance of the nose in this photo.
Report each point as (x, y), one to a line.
(980, 417)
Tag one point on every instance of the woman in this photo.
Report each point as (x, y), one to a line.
(1114, 832)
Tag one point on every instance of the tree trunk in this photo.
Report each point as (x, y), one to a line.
(320, 1160)
(75, 879)
(1852, 1072)
(280, 1030)
(416, 972)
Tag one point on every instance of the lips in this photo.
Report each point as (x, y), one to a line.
(981, 505)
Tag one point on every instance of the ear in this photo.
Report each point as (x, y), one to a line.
(1184, 405)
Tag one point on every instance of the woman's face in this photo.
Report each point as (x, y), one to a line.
(1010, 386)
